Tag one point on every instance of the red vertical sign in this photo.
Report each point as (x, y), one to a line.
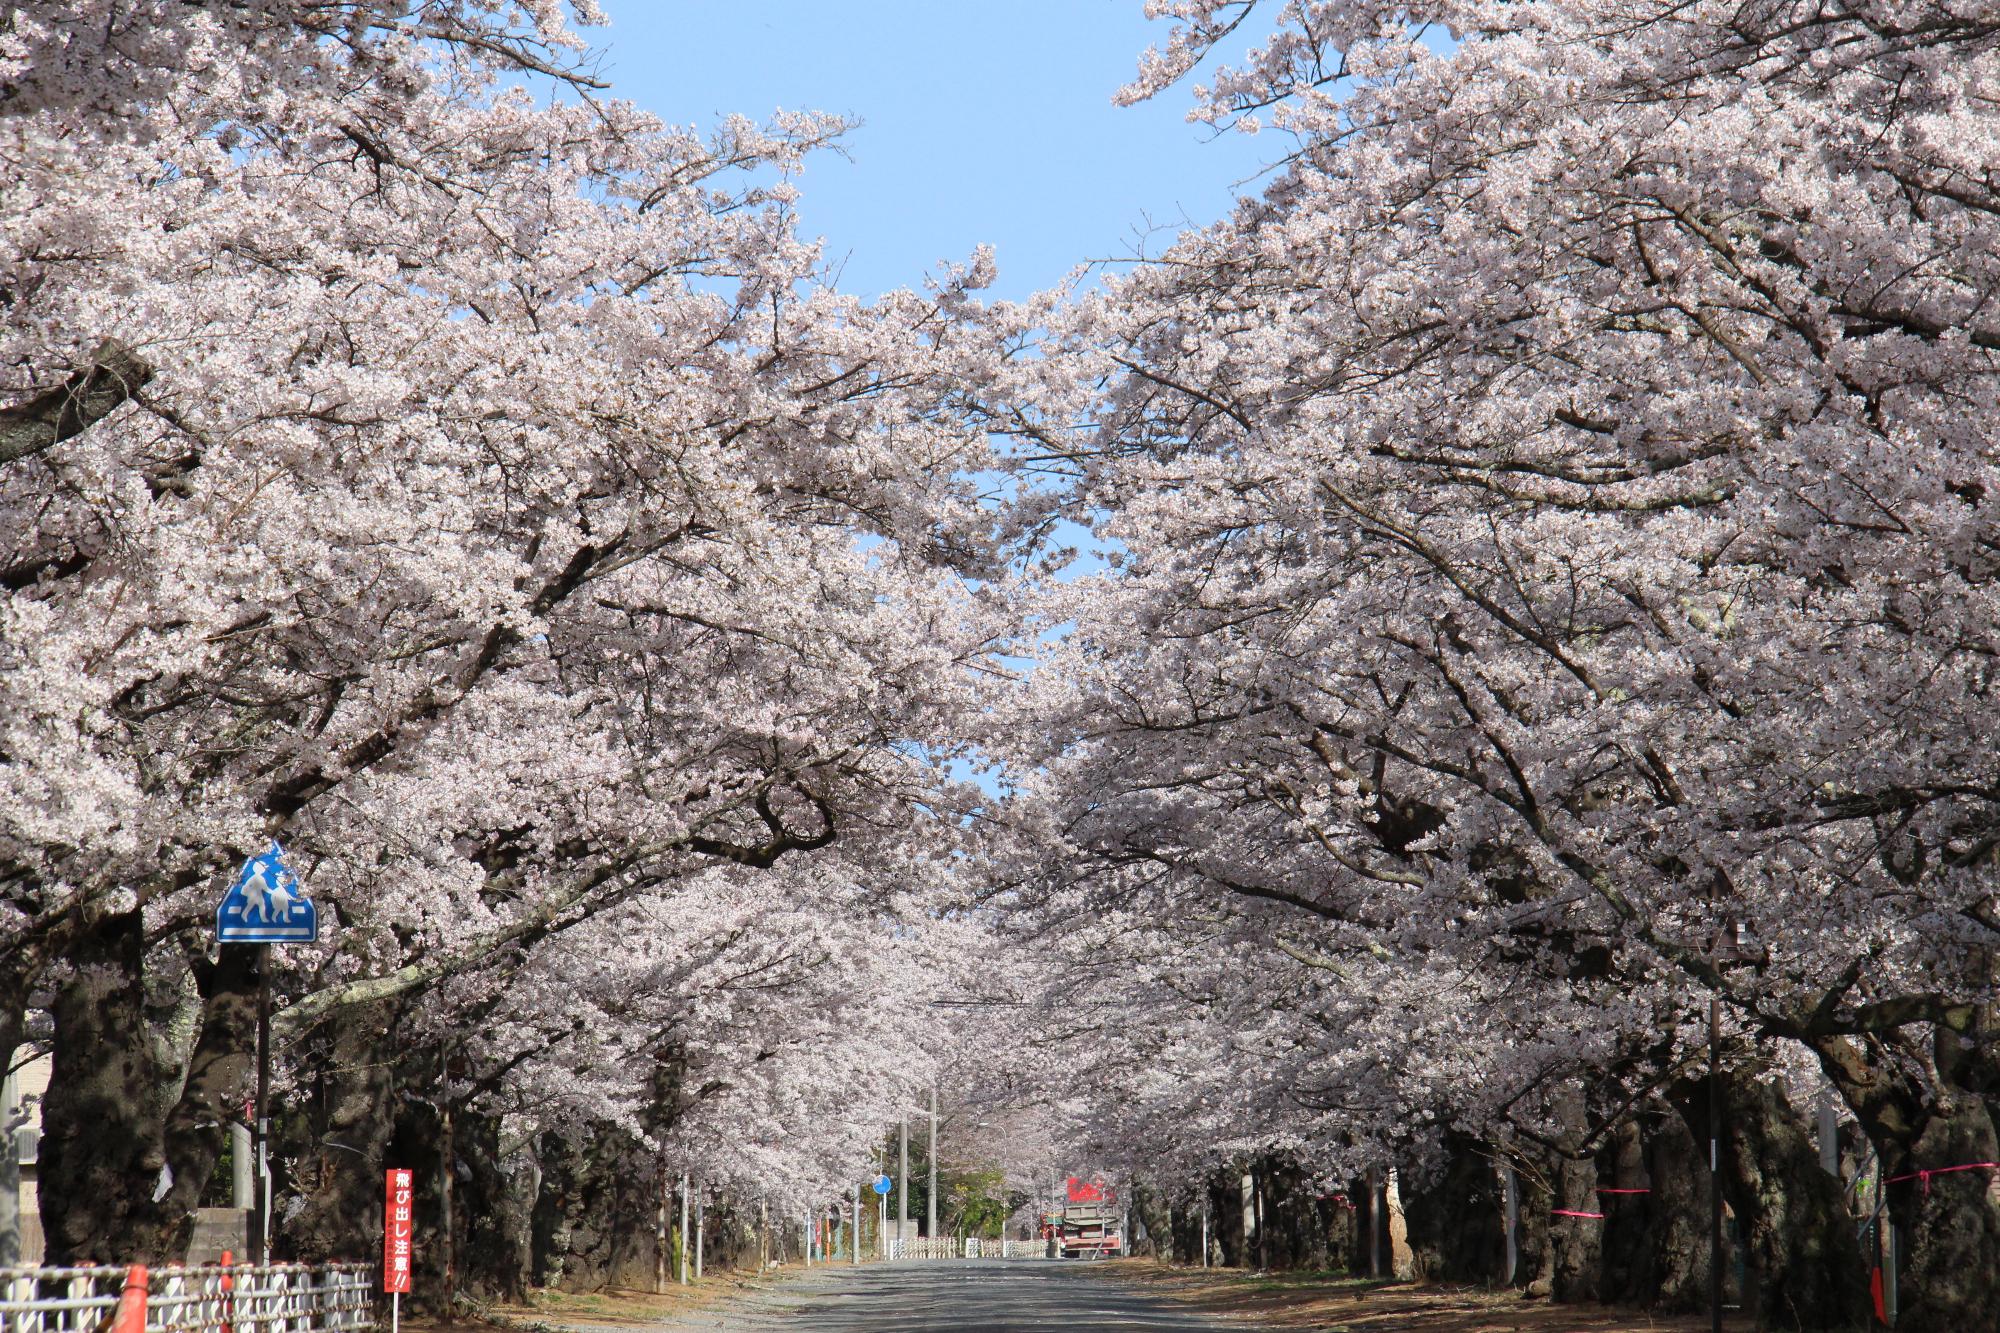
(398, 1225)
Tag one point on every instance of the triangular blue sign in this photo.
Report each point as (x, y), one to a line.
(266, 905)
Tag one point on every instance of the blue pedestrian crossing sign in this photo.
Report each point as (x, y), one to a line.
(266, 905)
(881, 1184)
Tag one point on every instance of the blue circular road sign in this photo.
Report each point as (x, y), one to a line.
(881, 1184)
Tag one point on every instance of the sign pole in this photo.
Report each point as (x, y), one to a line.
(264, 905)
(398, 1230)
(262, 1131)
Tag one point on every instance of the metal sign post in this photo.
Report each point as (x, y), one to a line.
(265, 905)
(260, 1129)
(398, 1226)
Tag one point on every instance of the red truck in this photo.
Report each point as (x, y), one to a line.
(1087, 1227)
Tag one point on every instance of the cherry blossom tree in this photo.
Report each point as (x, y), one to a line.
(1553, 522)
(473, 489)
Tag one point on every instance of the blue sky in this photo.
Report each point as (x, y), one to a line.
(984, 122)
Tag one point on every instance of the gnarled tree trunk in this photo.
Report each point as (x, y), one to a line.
(1803, 1267)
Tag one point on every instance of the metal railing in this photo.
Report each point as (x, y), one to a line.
(276, 1298)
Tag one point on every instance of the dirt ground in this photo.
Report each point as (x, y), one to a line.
(1330, 1305)
(612, 1311)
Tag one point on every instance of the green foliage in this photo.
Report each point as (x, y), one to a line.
(973, 1198)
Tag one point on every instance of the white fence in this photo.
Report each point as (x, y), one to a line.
(972, 1247)
(976, 1248)
(279, 1298)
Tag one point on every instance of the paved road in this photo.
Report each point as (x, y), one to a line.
(953, 1296)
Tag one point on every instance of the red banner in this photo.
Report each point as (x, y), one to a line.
(1086, 1191)
(398, 1225)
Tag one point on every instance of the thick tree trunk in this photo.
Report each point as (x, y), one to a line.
(1457, 1217)
(1225, 1226)
(495, 1206)
(353, 1118)
(1803, 1267)
(1677, 1215)
(593, 1214)
(1576, 1221)
(1535, 1271)
(1627, 1231)
(103, 1151)
(1372, 1255)
(1577, 1238)
(1951, 1274)
(221, 1075)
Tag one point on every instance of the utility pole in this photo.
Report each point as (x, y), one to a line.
(1204, 1226)
(902, 1182)
(930, 1196)
(700, 1216)
(681, 1249)
(854, 1232)
(665, 1202)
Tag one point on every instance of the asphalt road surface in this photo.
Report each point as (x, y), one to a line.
(952, 1296)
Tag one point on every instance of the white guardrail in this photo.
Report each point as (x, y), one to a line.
(238, 1298)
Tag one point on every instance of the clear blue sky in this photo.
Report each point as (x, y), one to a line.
(984, 122)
